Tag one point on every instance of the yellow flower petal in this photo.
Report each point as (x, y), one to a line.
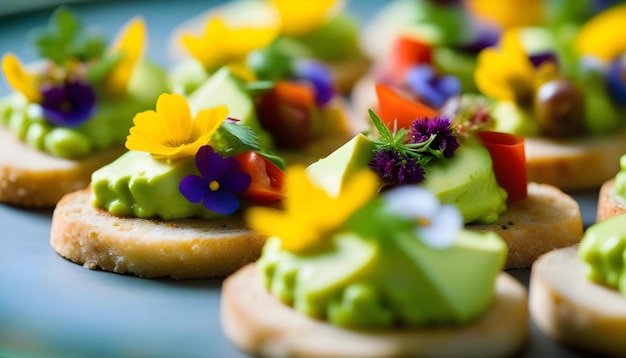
(303, 16)
(220, 45)
(505, 73)
(170, 132)
(510, 13)
(19, 78)
(310, 213)
(130, 41)
(603, 36)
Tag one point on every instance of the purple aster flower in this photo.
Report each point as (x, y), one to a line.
(434, 89)
(395, 168)
(69, 105)
(321, 78)
(221, 179)
(444, 141)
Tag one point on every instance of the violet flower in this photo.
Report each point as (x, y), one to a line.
(319, 76)
(432, 88)
(221, 179)
(616, 79)
(69, 105)
(541, 57)
(445, 140)
(395, 168)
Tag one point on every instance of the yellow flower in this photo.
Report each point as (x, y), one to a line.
(170, 132)
(506, 73)
(603, 35)
(510, 13)
(303, 16)
(220, 45)
(20, 79)
(130, 41)
(311, 214)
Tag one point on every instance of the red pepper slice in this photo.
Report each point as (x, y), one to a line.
(285, 112)
(509, 162)
(406, 53)
(267, 179)
(393, 107)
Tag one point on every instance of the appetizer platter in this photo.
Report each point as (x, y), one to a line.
(50, 306)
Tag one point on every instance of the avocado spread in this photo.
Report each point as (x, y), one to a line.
(108, 126)
(376, 272)
(602, 250)
(620, 179)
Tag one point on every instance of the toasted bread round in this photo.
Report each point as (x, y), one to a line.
(257, 323)
(35, 179)
(575, 164)
(547, 219)
(572, 310)
(609, 204)
(184, 248)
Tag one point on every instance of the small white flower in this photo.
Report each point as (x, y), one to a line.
(437, 225)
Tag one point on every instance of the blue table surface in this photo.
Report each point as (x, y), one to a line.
(52, 308)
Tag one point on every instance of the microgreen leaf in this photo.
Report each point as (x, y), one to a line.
(64, 38)
(233, 138)
(384, 132)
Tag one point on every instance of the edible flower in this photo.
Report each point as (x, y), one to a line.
(70, 104)
(509, 13)
(434, 89)
(130, 43)
(600, 37)
(319, 76)
(303, 16)
(221, 177)
(220, 44)
(65, 86)
(394, 167)
(437, 225)
(311, 214)
(399, 154)
(440, 130)
(506, 73)
(170, 132)
(22, 80)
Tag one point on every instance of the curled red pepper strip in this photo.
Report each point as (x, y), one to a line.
(509, 162)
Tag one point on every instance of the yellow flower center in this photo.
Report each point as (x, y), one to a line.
(214, 185)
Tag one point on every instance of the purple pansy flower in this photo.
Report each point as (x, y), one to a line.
(70, 104)
(221, 179)
(423, 80)
(541, 57)
(319, 76)
(445, 140)
(395, 168)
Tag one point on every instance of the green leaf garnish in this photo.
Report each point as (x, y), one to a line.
(232, 139)
(65, 38)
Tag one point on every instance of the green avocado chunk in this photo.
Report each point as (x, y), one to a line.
(466, 181)
(225, 88)
(138, 185)
(371, 282)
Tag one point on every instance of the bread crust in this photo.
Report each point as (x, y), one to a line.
(178, 249)
(574, 311)
(35, 179)
(609, 204)
(257, 323)
(547, 219)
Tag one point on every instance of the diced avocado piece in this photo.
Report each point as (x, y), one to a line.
(334, 171)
